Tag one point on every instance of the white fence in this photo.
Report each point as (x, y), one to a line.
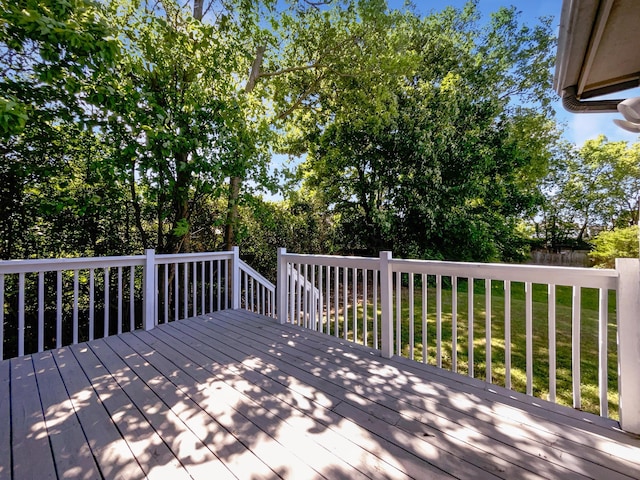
(48, 303)
(427, 311)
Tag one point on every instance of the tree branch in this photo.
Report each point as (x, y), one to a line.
(255, 69)
(300, 99)
(292, 69)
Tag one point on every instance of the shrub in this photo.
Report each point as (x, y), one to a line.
(609, 245)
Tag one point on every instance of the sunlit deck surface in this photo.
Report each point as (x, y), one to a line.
(236, 395)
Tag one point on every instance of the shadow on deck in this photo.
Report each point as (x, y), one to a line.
(236, 395)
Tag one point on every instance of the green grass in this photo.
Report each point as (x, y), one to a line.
(564, 390)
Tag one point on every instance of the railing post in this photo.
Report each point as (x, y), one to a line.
(629, 342)
(386, 301)
(149, 289)
(235, 278)
(282, 288)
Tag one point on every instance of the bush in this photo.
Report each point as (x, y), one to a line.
(609, 245)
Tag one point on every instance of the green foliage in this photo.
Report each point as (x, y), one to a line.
(298, 224)
(595, 186)
(147, 125)
(619, 243)
(52, 51)
(427, 155)
(66, 201)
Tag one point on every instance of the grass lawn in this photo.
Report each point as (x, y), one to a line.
(588, 338)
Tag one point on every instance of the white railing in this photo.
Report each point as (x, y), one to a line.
(258, 293)
(307, 295)
(49, 303)
(191, 284)
(521, 329)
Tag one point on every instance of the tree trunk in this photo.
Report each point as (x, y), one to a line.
(235, 181)
(179, 239)
(197, 9)
(582, 230)
(232, 213)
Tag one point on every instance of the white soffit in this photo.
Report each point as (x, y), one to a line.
(598, 47)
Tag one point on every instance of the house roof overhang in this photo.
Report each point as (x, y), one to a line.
(598, 52)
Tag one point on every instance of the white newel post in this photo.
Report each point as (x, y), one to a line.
(282, 286)
(149, 289)
(629, 343)
(235, 278)
(386, 303)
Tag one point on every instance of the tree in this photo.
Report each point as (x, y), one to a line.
(609, 245)
(176, 117)
(51, 52)
(198, 100)
(426, 157)
(595, 186)
(299, 223)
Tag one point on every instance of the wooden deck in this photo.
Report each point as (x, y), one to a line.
(236, 395)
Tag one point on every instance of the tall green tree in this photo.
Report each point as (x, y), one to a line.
(177, 118)
(51, 54)
(426, 154)
(594, 187)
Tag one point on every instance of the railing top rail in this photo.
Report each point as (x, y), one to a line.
(59, 264)
(245, 267)
(584, 277)
(190, 257)
(372, 263)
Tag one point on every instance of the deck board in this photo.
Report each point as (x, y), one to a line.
(379, 410)
(446, 416)
(5, 421)
(134, 408)
(70, 449)
(109, 448)
(319, 406)
(359, 409)
(317, 418)
(286, 413)
(281, 446)
(236, 395)
(29, 437)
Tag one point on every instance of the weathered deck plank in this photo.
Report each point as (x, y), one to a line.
(236, 395)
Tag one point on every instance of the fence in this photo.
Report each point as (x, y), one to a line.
(48, 303)
(481, 320)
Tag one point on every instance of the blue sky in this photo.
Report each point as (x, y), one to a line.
(577, 127)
